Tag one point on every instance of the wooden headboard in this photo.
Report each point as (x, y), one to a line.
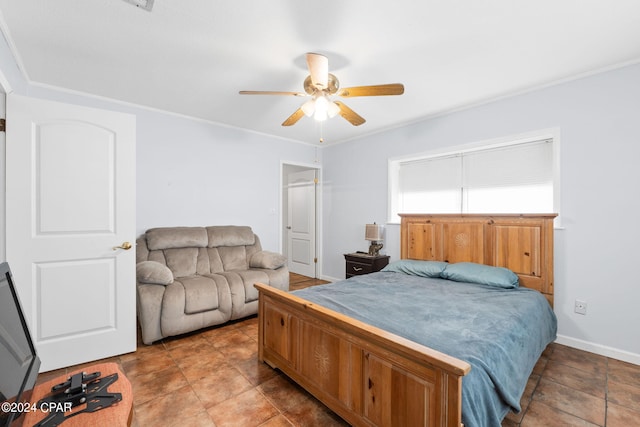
(521, 243)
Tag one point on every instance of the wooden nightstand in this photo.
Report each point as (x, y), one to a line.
(363, 263)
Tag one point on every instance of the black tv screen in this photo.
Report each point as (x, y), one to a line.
(19, 363)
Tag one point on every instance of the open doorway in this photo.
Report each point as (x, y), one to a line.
(300, 219)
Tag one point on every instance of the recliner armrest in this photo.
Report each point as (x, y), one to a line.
(153, 273)
(268, 260)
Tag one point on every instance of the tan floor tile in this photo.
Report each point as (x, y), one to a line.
(195, 347)
(153, 362)
(541, 415)
(249, 321)
(187, 339)
(211, 334)
(255, 371)
(540, 365)
(623, 372)
(284, 393)
(571, 401)
(508, 423)
(311, 413)
(624, 395)
(149, 386)
(248, 409)
(580, 359)
(238, 353)
(619, 416)
(172, 409)
(548, 350)
(251, 330)
(231, 338)
(223, 383)
(199, 366)
(578, 379)
(277, 421)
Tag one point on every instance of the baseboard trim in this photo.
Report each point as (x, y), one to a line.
(600, 349)
(329, 278)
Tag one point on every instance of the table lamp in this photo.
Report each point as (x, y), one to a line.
(373, 233)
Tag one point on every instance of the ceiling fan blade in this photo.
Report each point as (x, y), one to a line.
(318, 69)
(350, 115)
(375, 90)
(293, 119)
(270, 92)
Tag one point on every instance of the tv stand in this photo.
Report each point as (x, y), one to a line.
(101, 398)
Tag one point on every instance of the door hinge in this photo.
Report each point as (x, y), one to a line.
(3, 125)
(315, 180)
(315, 260)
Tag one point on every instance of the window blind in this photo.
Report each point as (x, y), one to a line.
(515, 178)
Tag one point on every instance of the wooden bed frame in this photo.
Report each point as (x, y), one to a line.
(370, 377)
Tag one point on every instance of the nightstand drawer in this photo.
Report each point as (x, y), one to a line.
(355, 268)
(362, 263)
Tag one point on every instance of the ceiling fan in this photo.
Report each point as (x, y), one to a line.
(321, 85)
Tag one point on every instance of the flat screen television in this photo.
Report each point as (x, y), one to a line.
(19, 363)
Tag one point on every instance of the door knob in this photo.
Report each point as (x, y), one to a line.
(126, 246)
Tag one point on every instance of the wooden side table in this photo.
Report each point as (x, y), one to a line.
(117, 415)
(363, 263)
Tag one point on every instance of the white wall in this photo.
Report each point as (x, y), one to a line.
(596, 251)
(191, 172)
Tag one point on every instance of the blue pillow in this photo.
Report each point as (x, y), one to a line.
(417, 268)
(481, 274)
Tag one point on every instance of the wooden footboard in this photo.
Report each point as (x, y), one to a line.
(366, 375)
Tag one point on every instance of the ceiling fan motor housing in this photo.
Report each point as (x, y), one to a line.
(332, 85)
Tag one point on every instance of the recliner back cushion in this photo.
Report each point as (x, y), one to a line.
(230, 235)
(215, 262)
(233, 258)
(176, 237)
(182, 262)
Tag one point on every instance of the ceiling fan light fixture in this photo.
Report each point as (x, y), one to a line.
(324, 109)
(309, 107)
(332, 109)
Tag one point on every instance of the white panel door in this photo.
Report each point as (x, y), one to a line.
(301, 237)
(70, 202)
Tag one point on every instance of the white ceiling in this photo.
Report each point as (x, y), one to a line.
(191, 57)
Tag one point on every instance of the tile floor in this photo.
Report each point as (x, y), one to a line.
(213, 378)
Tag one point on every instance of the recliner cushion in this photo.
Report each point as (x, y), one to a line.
(233, 258)
(201, 294)
(176, 237)
(230, 235)
(182, 262)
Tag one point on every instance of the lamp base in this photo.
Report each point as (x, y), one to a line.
(374, 249)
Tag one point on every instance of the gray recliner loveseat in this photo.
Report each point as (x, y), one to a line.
(194, 277)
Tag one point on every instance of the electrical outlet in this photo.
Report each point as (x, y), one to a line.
(581, 307)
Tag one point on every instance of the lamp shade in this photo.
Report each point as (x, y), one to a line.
(373, 232)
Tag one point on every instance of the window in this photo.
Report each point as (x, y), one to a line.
(507, 178)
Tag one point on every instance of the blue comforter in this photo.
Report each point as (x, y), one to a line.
(501, 333)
